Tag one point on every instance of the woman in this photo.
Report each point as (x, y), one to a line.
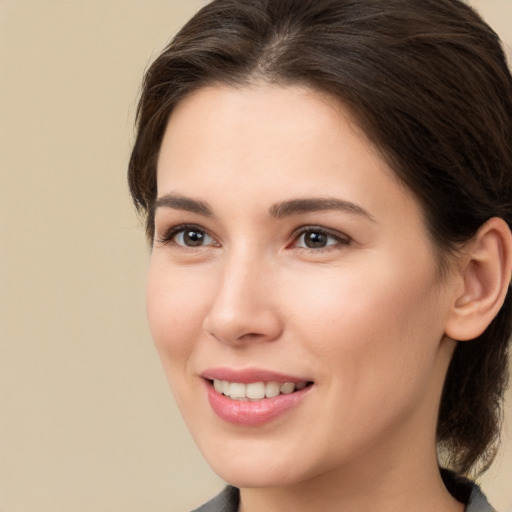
(327, 187)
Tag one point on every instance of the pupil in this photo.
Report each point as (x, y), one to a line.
(193, 237)
(314, 240)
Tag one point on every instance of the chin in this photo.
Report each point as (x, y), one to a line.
(255, 463)
(246, 474)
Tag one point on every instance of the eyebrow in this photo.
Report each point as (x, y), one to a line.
(278, 210)
(178, 202)
(314, 204)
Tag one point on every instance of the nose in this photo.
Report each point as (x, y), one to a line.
(244, 308)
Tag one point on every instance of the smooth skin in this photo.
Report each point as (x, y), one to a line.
(346, 293)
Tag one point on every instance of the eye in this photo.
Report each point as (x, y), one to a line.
(187, 236)
(192, 237)
(318, 238)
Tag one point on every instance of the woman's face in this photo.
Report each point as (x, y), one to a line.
(287, 257)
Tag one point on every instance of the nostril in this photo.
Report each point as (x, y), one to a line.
(250, 335)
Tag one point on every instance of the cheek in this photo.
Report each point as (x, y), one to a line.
(373, 322)
(175, 306)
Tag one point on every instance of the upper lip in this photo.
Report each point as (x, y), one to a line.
(248, 375)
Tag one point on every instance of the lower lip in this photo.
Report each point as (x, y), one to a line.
(253, 413)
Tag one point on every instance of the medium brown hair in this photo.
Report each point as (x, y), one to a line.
(428, 82)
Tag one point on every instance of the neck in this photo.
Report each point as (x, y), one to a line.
(381, 490)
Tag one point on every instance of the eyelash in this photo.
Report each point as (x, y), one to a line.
(344, 240)
(169, 235)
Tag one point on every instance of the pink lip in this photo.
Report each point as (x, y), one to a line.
(248, 375)
(251, 413)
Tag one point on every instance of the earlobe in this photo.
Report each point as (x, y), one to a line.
(485, 274)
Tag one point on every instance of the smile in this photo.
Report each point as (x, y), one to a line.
(256, 390)
(260, 399)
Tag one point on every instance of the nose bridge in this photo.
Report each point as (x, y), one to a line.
(242, 307)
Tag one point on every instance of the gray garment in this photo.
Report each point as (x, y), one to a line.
(477, 502)
(228, 499)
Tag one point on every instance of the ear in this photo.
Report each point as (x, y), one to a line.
(485, 275)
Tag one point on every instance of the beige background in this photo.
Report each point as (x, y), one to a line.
(86, 419)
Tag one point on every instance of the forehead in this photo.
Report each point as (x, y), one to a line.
(270, 137)
(217, 125)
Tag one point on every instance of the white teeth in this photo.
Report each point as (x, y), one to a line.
(287, 388)
(237, 390)
(256, 390)
(272, 389)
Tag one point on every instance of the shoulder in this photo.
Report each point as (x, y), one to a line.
(226, 501)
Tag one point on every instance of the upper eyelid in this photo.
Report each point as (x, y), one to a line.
(172, 231)
(332, 232)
